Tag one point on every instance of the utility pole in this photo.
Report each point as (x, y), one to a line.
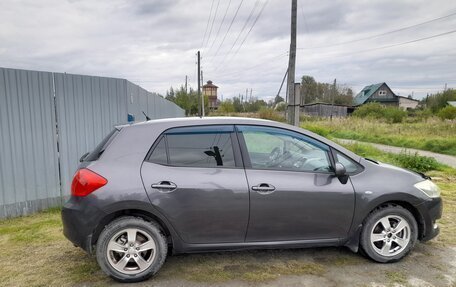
(199, 84)
(292, 68)
(445, 87)
(250, 94)
(202, 97)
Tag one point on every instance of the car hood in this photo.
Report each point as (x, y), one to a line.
(418, 176)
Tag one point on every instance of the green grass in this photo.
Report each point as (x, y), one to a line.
(406, 160)
(396, 277)
(433, 135)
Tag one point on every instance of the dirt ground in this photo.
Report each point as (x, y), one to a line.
(427, 265)
(50, 260)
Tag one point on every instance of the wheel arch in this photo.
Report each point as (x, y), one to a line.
(413, 210)
(354, 241)
(146, 215)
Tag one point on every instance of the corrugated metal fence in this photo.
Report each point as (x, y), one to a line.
(51, 119)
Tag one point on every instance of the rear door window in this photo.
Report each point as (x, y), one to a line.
(202, 146)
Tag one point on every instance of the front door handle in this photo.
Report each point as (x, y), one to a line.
(164, 186)
(264, 188)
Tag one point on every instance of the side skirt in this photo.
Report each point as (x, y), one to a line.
(214, 247)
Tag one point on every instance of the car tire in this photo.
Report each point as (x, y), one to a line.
(131, 249)
(389, 233)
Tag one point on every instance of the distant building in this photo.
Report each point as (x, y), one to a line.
(382, 94)
(326, 110)
(210, 90)
(452, 103)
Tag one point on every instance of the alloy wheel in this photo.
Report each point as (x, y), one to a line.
(390, 235)
(131, 251)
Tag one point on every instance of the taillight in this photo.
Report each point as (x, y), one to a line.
(85, 182)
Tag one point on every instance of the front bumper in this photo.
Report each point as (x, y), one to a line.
(431, 211)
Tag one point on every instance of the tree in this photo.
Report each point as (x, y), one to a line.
(313, 91)
(448, 112)
(186, 100)
(439, 101)
(309, 90)
(226, 106)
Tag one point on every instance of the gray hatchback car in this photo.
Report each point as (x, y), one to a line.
(190, 185)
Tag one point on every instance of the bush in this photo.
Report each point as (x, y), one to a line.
(270, 114)
(378, 111)
(324, 132)
(280, 107)
(226, 107)
(416, 162)
(447, 113)
(394, 115)
(370, 110)
(439, 101)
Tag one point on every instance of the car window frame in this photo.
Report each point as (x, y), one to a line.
(238, 161)
(248, 163)
(360, 168)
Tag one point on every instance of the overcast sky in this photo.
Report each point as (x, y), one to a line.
(153, 42)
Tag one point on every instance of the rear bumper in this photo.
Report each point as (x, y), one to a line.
(79, 224)
(431, 211)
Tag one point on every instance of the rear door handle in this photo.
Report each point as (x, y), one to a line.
(264, 188)
(164, 186)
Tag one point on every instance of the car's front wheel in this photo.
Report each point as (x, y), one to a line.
(389, 233)
(130, 249)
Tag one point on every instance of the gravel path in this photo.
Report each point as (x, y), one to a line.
(442, 158)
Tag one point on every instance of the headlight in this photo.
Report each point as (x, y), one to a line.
(429, 188)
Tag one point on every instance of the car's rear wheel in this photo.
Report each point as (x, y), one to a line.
(130, 249)
(389, 233)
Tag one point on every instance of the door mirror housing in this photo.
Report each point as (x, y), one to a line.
(339, 169)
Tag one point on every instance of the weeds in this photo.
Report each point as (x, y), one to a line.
(432, 135)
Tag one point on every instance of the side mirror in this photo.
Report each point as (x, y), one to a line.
(83, 157)
(339, 169)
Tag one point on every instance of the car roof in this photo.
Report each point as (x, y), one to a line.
(207, 120)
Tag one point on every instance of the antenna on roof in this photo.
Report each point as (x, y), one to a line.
(147, 117)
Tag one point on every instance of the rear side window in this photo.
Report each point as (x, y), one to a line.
(159, 155)
(98, 151)
(205, 146)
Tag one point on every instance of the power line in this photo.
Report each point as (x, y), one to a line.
(240, 33)
(229, 28)
(207, 25)
(253, 25)
(404, 43)
(355, 52)
(265, 62)
(213, 20)
(381, 34)
(221, 24)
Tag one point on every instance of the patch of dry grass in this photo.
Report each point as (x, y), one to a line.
(251, 266)
(447, 184)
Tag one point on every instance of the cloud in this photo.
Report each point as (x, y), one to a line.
(154, 42)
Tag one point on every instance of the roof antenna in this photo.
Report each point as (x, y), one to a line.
(147, 117)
